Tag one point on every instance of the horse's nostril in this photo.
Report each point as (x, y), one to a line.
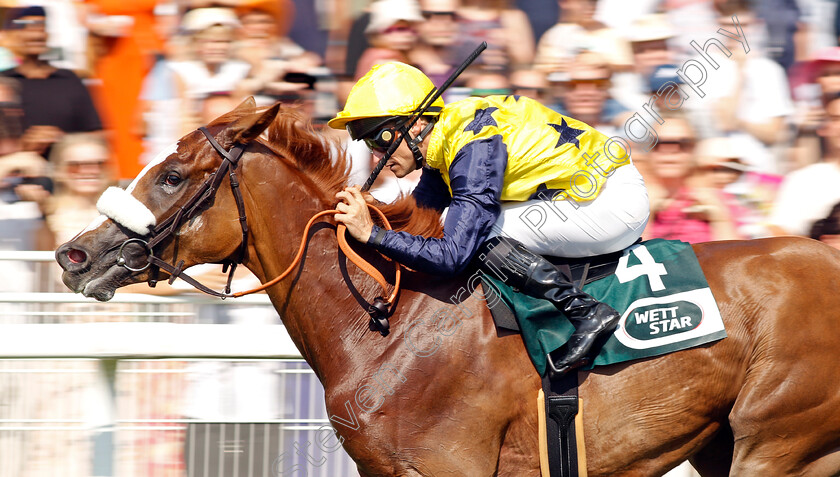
(76, 256)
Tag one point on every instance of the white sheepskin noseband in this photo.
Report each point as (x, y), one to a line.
(124, 209)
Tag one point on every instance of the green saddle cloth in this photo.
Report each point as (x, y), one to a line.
(659, 288)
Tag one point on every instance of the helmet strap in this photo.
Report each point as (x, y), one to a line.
(414, 142)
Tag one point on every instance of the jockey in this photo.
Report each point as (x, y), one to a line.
(520, 181)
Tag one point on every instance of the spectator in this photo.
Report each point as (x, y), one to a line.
(82, 173)
(649, 42)
(264, 27)
(54, 100)
(506, 29)
(813, 83)
(531, 83)
(435, 55)
(276, 61)
(392, 33)
(357, 43)
(161, 103)
(23, 184)
(213, 68)
(21, 222)
(721, 172)
(819, 16)
(807, 194)
(824, 71)
(782, 18)
(587, 95)
(691, 20)
(748, 99)
(664, 77)
(577, 31)
(680, 210)
(127, 43)
(828, 229)
(622, 15)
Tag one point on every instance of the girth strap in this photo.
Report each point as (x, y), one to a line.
(561, 407)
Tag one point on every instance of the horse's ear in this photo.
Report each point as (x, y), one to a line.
(249, 103)
(245, 130)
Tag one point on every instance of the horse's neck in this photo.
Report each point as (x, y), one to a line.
(314, 302)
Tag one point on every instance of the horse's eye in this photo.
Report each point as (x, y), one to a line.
(172, 179)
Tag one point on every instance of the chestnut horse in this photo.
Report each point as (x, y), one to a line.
(444, 394)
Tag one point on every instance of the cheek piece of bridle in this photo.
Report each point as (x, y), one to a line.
(169, 227)
(379, 310)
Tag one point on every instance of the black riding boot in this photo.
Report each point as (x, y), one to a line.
(537, 277)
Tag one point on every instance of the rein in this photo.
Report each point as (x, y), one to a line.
(379, 310)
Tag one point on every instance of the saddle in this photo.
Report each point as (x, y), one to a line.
(582, 271)
(666, 306)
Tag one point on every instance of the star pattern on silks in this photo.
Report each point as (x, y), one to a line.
(483, 117)
(568, 134)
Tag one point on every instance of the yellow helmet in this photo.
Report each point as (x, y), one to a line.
(388, 89)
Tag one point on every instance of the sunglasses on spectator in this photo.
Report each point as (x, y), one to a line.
(684, 144)
(601, 83)
(398, 29)
(429, 14)
(722, 169)
(833, 71)
(527, 89)
(78, 166)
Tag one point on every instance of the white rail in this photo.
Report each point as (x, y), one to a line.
(145, 340)
(148, 385)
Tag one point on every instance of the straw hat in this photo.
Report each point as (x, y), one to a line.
(200, 19)
(720, 151)
(651, 27)
(384, 13)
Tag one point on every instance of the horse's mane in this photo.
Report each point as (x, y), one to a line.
(323, 161)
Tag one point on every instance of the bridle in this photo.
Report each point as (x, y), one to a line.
(379, 310)
(168, 227)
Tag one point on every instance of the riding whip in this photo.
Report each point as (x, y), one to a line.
(433, 95)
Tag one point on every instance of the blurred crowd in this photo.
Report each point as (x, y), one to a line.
(91, 90)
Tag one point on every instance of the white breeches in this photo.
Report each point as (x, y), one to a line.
(565, 228)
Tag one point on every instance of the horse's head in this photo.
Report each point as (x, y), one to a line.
(166, 211)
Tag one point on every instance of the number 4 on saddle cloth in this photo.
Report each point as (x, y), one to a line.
(658, 287)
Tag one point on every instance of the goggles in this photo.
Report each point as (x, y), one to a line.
(377, 133)
(382, 141)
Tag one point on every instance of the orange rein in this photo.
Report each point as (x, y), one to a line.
(349, 252)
